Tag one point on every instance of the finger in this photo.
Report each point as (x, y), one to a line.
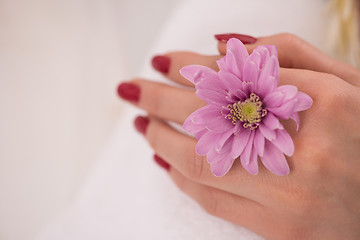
(295, 52)
(167, 102)
(174, 61)
(179, 150)
(233, 208)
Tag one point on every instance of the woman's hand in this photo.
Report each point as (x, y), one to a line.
(320, 198)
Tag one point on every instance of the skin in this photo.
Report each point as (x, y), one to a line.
(320, 198)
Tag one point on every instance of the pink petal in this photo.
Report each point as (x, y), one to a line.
(296, 118)
(204, 114)
(236, 55)
(246, 154)
(230, 81)
(284, 142)
(222, 138)
(259, 143)
(252, 167)
(251, 72)
(274, 160)
(263, 53)
(212, 83)
(264, 87)
(214, 155)
(240, 95)
(273, 99)
(247, 88)
(200, 132)
(205, 143)
(212, 97)
(304, 102)
(241, 139)
(267, 132)
(220, 168)
(193, 128)
(220, 124)
(195, 73)
(289, 91)
(269, 77)
(285, 110)
(256, 56)
(271, 121)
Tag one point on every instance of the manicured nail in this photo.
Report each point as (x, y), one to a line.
(141, 124)
(161, 162)
(245, 39)
(129, 92)
(161, 63)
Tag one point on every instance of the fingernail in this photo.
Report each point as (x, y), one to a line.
(161, 162)
(141, 124)
(245, 39)
(161, 63)
(129, 92)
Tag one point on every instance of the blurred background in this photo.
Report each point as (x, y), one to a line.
(60, 63)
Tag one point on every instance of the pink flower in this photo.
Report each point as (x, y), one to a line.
(243, 107)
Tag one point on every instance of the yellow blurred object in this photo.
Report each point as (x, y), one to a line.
(344, 31)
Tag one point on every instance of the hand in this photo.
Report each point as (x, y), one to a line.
(320, 198)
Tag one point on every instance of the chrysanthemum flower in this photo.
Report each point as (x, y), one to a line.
(243, 107)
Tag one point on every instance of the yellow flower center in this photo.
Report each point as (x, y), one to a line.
(249, 112)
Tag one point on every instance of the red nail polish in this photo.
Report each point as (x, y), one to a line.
(129, 92)
(161, 162)
(141, 124)
(245, 39)
(161, 63)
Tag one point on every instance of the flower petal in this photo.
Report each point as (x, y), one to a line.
(222, 138)
(246, 154)
(212, 83)
(285, 110)
(220, 168)
(273, 99)
(252, 167)
(251, 72)
(271, 121)
(205, 143)
(230, 81)
(236, 55)
(284, 142)
(304, 101)
(259, 143)
(274, 160)
(267, 132)
(269, 77)
(212, 97)
(296, 118)
(289, 91)
(241, 138)
(195, 73)
(217, 155)
(219, 124)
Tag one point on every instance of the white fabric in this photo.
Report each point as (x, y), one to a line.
(127, 196)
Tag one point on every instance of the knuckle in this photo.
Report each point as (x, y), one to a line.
(316, 158)
(298, 199)
(152, 99)
(290, 40)
(195, 168)
(210, 202)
